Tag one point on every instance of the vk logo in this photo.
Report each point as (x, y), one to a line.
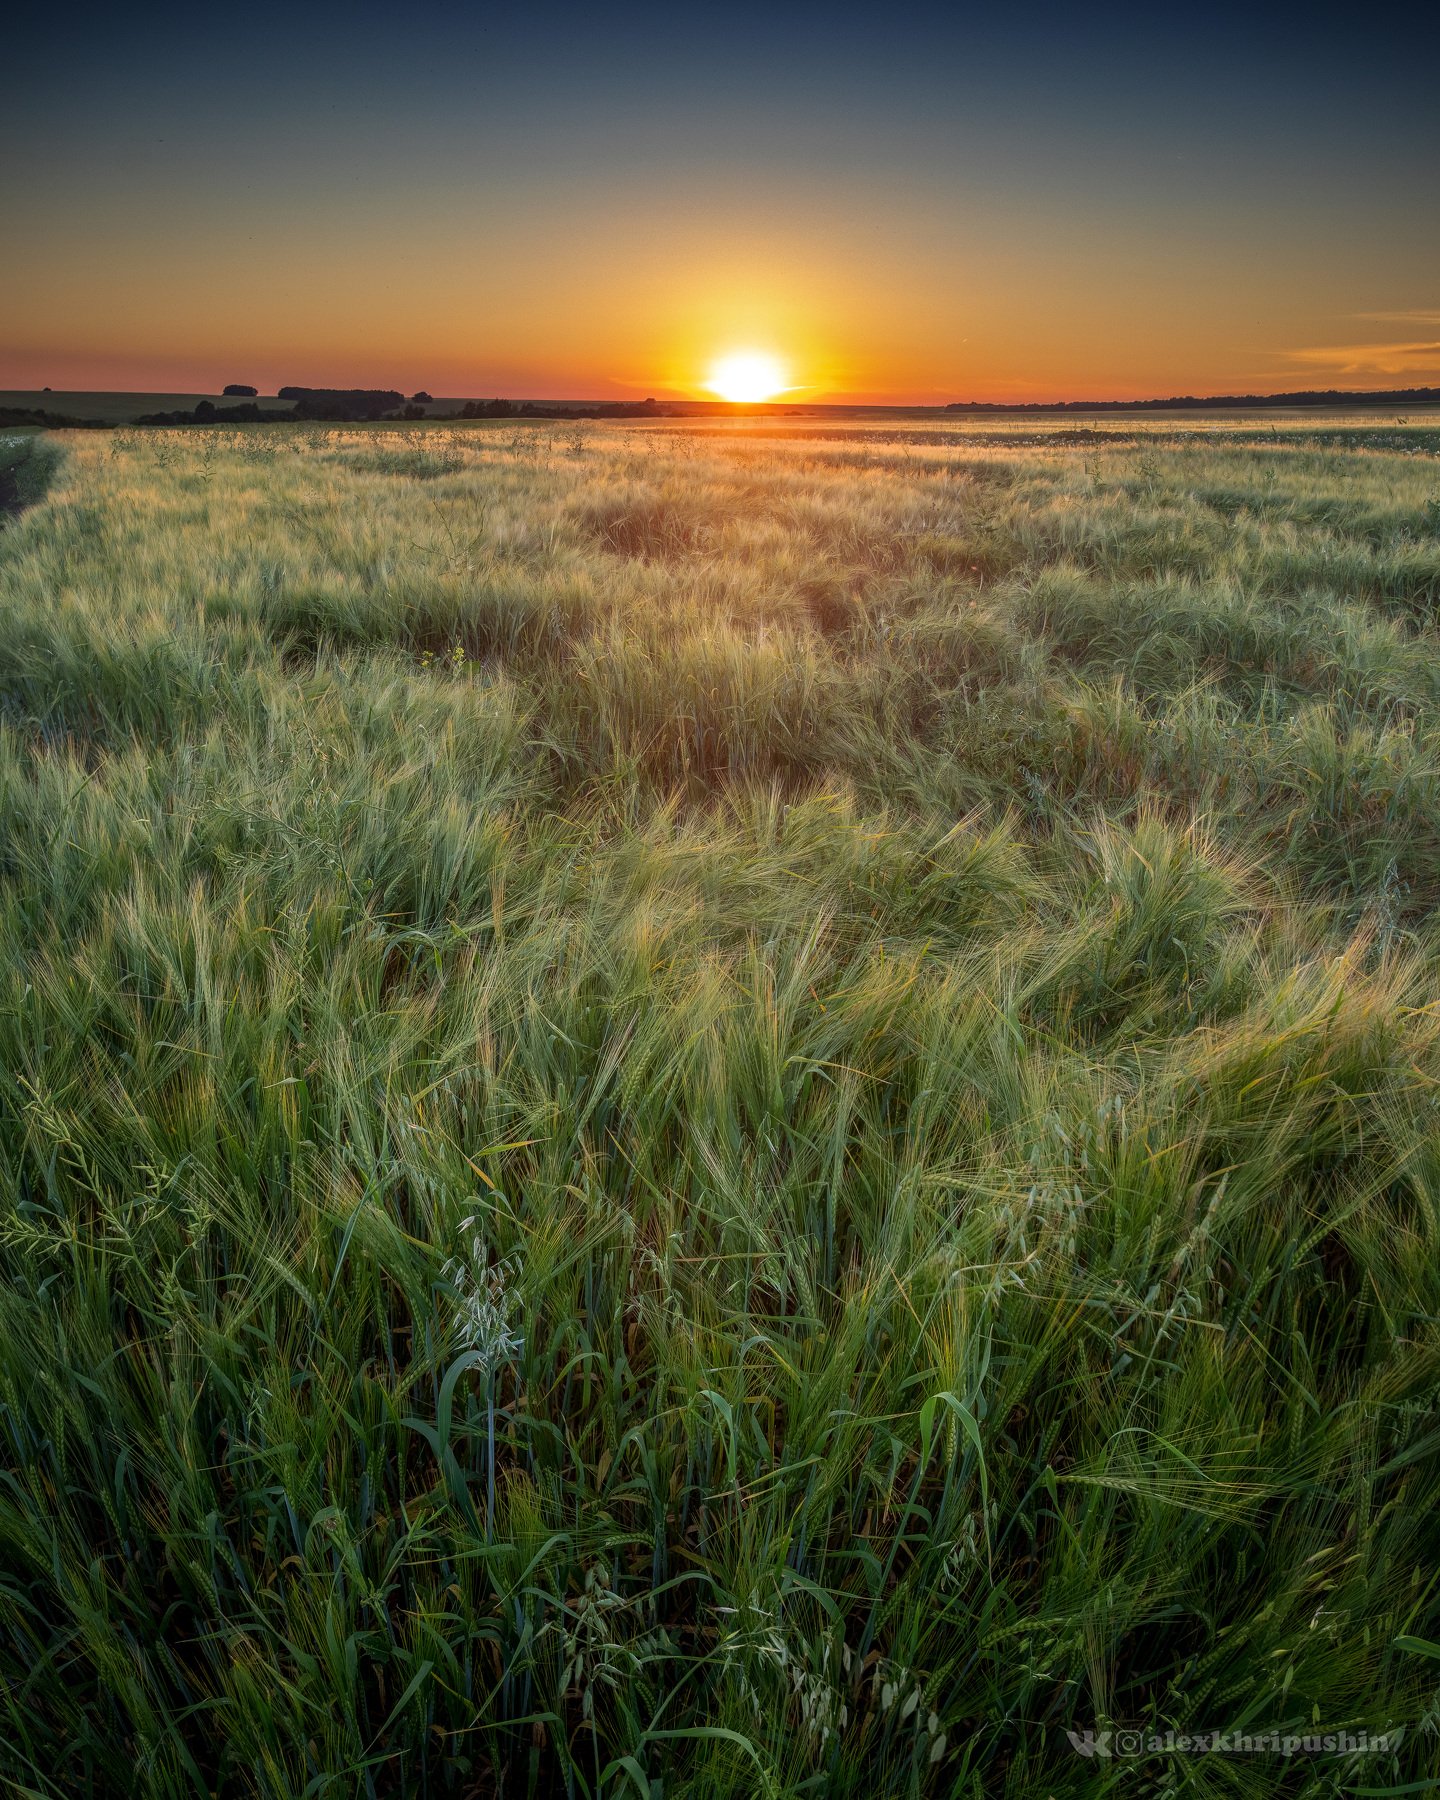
(1090, 1743)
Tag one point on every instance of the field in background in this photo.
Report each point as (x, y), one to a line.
(123, 409)
(698, 1107)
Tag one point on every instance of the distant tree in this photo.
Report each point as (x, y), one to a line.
(413, 412)
(238, 390)
(342, 403)
(422, 397)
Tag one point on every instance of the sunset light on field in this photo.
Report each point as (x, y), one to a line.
(747, 375)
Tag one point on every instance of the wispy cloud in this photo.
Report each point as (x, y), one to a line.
(1412, 359)
(1423, 316)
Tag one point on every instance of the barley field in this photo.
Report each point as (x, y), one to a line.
(708, 1111)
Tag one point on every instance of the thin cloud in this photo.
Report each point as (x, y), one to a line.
(1372, 359)
(1420, 317)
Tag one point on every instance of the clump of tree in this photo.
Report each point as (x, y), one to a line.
(422, 398)
(343, 404)
(528, 409)
(237, 390)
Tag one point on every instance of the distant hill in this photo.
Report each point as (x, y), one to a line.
(103, 407)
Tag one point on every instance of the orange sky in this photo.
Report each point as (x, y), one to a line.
(919, 322)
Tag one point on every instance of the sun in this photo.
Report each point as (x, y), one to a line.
(747, 375)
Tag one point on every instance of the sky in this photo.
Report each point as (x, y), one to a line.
(910, 204)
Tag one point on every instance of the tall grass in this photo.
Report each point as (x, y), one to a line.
(694, 1114)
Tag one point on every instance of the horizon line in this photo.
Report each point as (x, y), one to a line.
(779, 404)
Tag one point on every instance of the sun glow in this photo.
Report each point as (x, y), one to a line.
(747, 375)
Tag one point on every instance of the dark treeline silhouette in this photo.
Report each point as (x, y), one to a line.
(354, 405)
(237, 390)
(342, 403)
(1336, 397)
(334, 405)
(530, 409)
(208, 413)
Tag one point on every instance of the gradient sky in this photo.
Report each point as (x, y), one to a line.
(910, 203)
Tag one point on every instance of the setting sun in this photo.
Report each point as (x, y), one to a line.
(747, 375)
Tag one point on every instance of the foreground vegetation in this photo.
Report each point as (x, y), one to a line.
(697, 1113)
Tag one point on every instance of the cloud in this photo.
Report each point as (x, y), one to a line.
(1412, 359)
(1422, 316)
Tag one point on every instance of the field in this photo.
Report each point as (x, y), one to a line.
(121, 409)
(703, 1112)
